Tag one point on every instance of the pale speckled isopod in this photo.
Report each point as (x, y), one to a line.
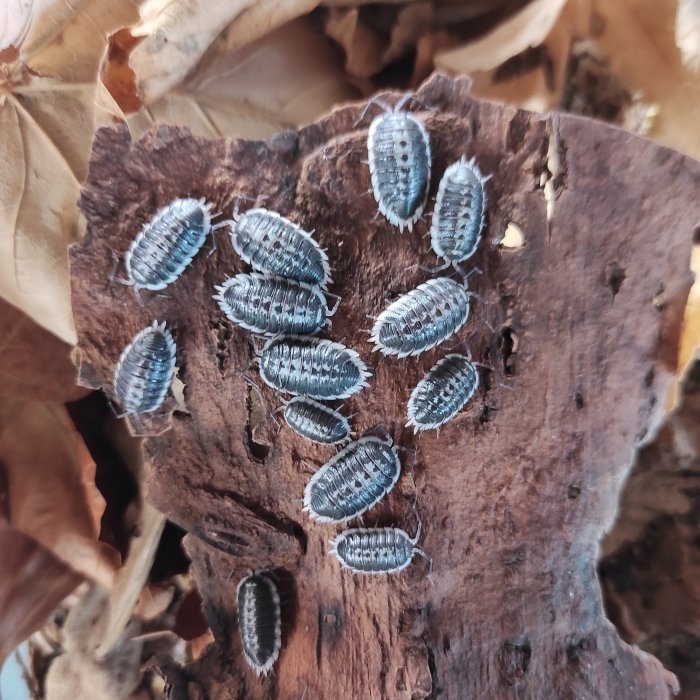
(352, 481)
(315, 421)
(259, 621)
(167, 243)
(315, 367)
(460, 211)
(398, 148)
(422, 318)
(442, 393)
(145, 370)
(270, 243)
(271, 305)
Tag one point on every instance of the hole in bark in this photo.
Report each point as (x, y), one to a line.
(445, 645)
(573, 492)
(649, 378)
(485, 413)
(615, 277)
(513, 558)
(509, 346)
(578, 400)
(223, 332)
(514, 661)
(401, 679)
(575, 651)
(658, 301)
(513, 236)
(696, 235)
(256, 417)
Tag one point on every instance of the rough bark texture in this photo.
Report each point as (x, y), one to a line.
(515, 493)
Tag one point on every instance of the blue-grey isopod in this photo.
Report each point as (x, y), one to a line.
(377, 550)
(354, 480)
(145, 370)
(167, 243)
(269, 242)
(270, 305)
(315, 421)
(259, 621)
(315, 367)
(422, 318)
(442, 393)
(460, 210)
(398, 148)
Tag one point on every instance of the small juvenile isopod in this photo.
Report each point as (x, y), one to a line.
(145, 370)
(315, 421)
(315, 367)
(399, 155)
(353, 481)
(259, 622)
(422, 318)
(460, 210)
(269, 242)
(378, 550)
(167, 243)
(442, 393)
(267, 304)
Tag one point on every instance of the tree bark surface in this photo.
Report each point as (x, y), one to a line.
(580, 326)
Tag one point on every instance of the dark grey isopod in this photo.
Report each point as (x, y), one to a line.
(422, 318)
(269, 242)
(353, 481)
(315, 367)
(378, 550)
(315, 421)
(167, 243)
(442, 393)
(271, 305)
(399, 156)
(259, 622)
(460, 210)
(145, 370)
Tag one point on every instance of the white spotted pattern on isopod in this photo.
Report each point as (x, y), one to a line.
(145, 370)
(316, 422)
(442, 393)
(460, 210)
(167, 243)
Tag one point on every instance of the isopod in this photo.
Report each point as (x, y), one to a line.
(442, 393)
(460, 211)
(269, 242)
(259, 621)
(314, 367)
(422, 318)
(378, 550)
(315, 421)
(352, 481)
(270, 305)
(399, 156)
(167, 243)
(145, 370)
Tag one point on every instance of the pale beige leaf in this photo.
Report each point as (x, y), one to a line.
(45, 20)
(690, 339)
(688, 32)
(154, 600)
(15, 17)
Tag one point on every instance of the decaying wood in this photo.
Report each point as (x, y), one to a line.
(580, 325)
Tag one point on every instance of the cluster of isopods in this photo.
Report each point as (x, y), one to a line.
(285, 299)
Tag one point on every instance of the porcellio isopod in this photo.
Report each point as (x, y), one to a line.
(269, 242)
(442, 393)
(259, 622)
(353, 481)
(315, 367)
(167, 243)
(145, 370)
(460, 210)
(399, 156)
(270, 305)
(378, 550)
(422, 318)
(315, 421)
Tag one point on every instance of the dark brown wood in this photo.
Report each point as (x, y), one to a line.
(580, 325)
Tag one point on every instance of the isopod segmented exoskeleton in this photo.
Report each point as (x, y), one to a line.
(398, 148)
(422, 318)
(145, 370)
(259, 621)
(315, 367)
(442, 393)
(269, 242)
(167, 243)
(460, 210)
(353, 481)
(270, 305)
(315, 421)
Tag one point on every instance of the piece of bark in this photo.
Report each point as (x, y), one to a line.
(580, 325)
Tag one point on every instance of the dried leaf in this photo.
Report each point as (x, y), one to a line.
(51, 485)
(688, 32)
(154, 600)
(14, 22)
